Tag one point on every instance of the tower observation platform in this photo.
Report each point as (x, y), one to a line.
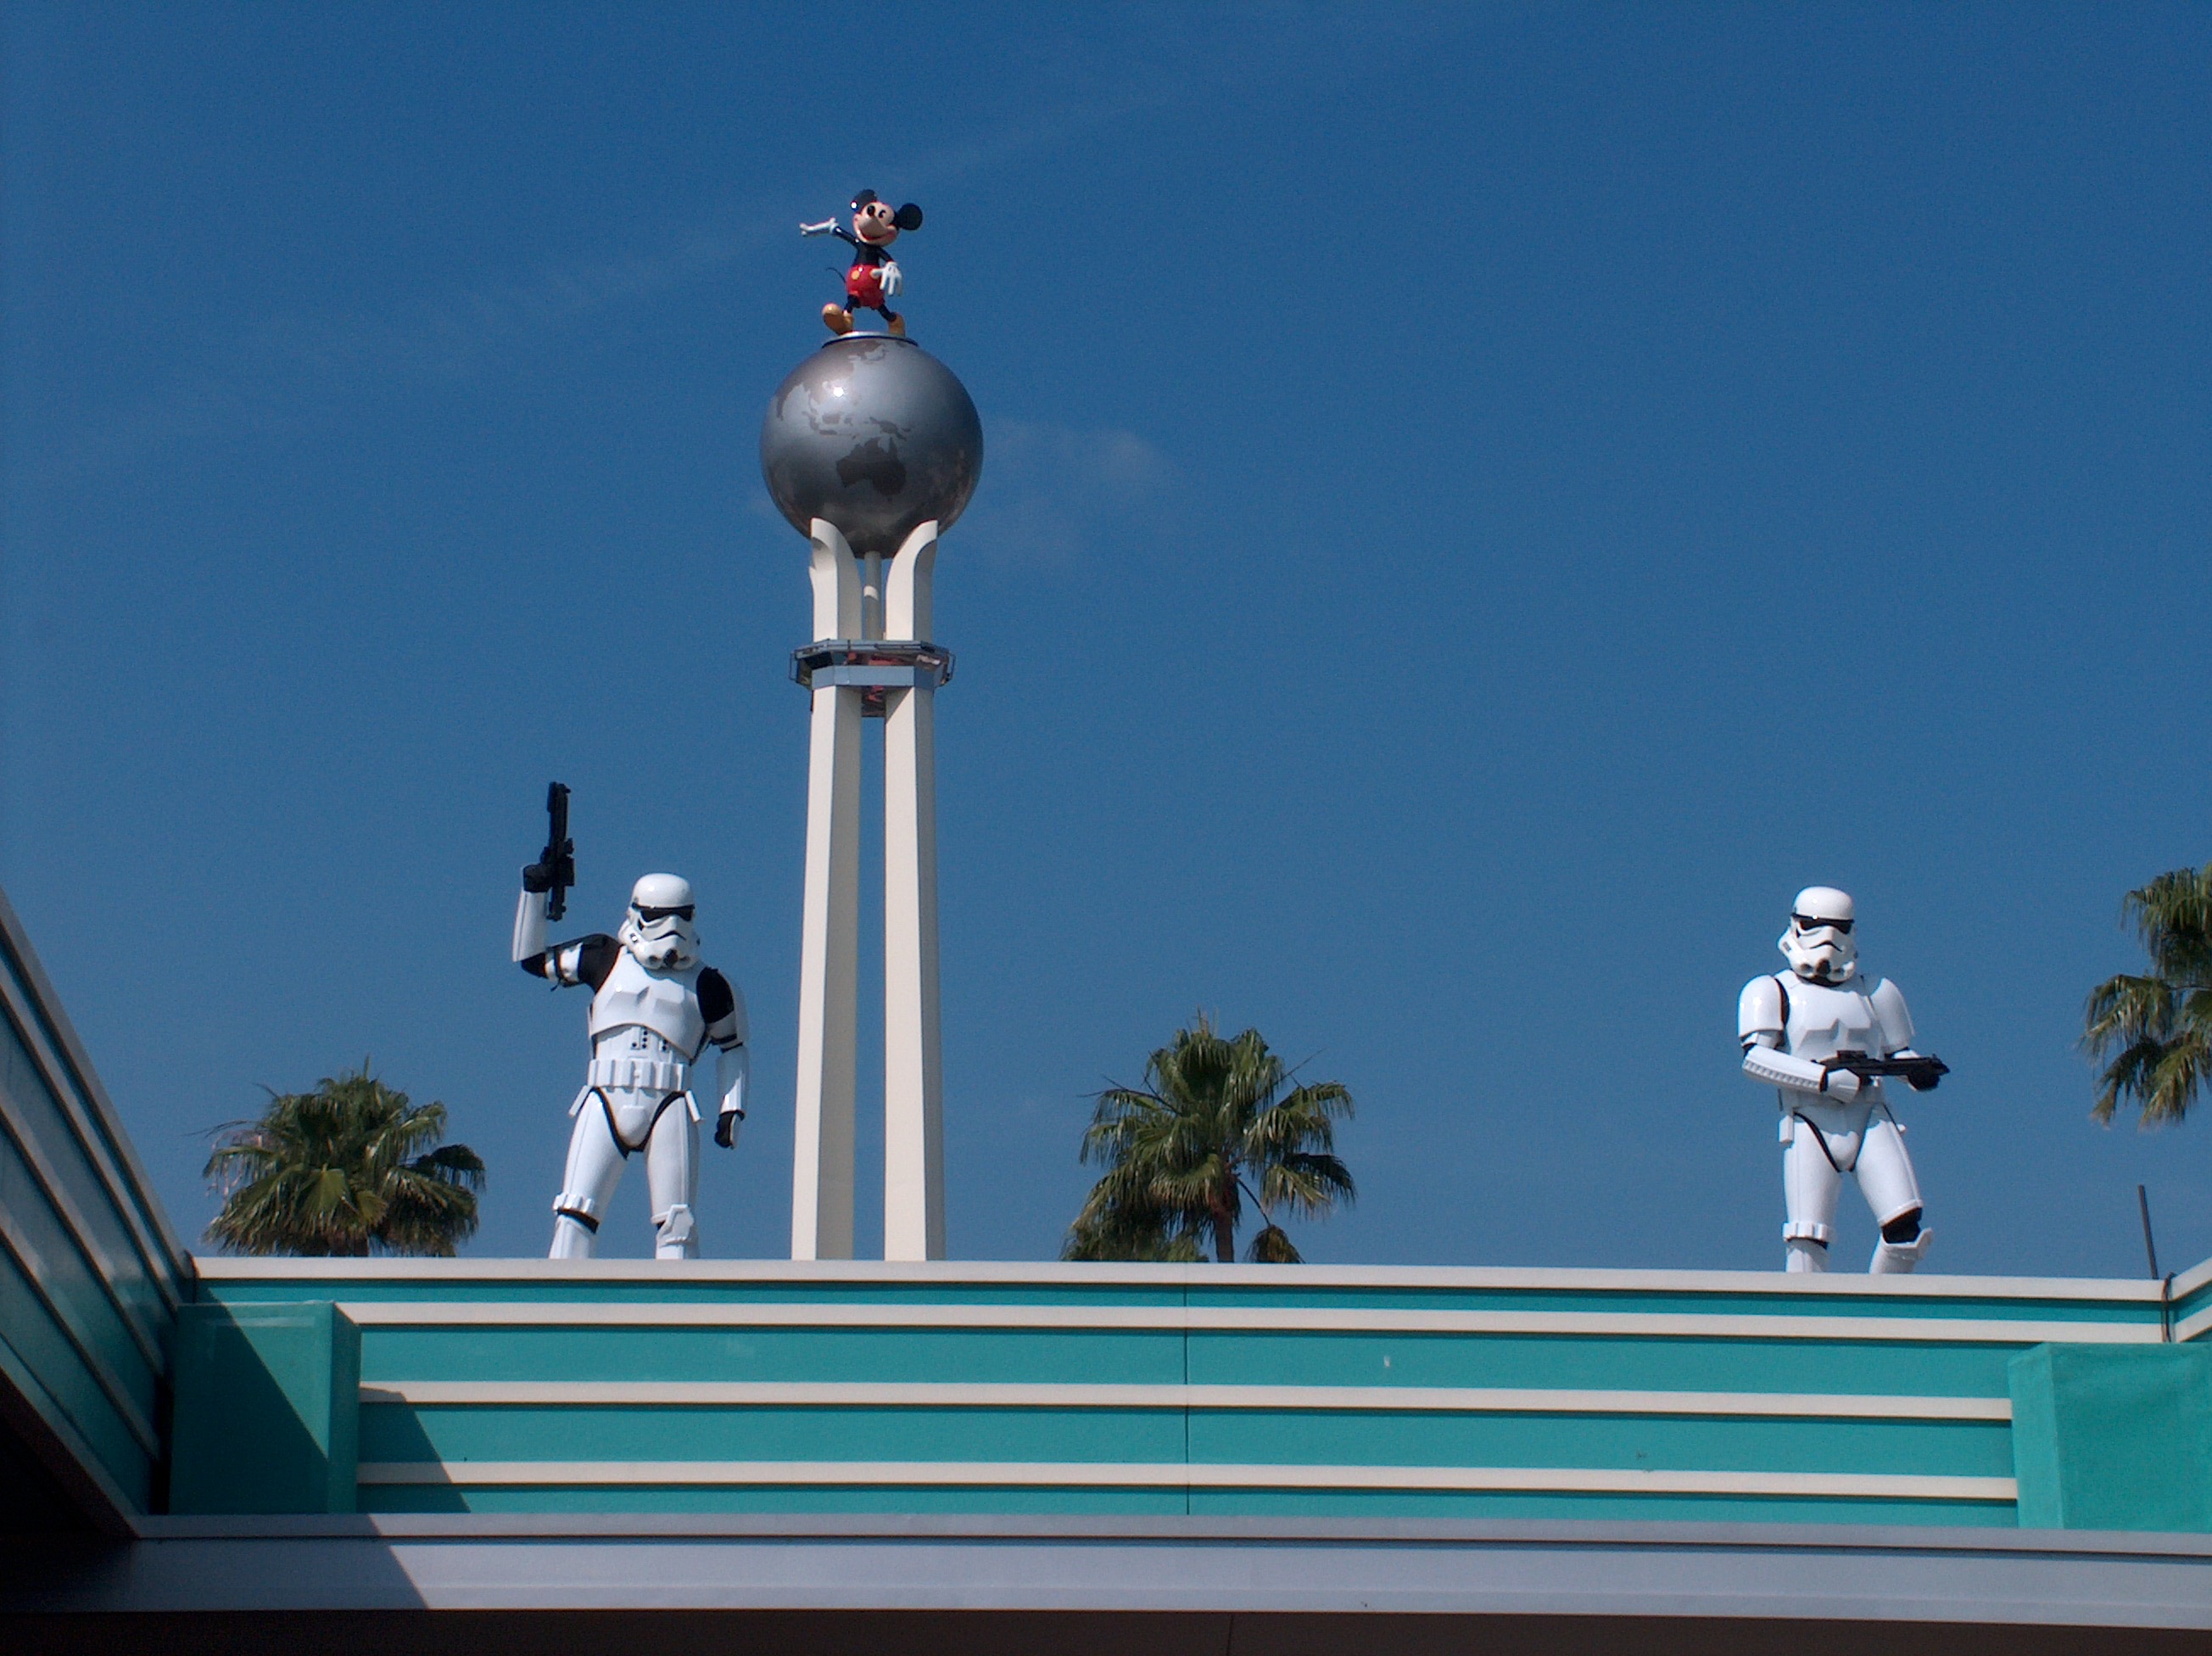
(811, 1454)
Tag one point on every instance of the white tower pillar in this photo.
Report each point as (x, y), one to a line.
(830, 946)
(914, 1147)
(871, 654)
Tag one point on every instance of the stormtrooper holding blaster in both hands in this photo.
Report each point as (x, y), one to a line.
(654, 1007)
(1824, 1038)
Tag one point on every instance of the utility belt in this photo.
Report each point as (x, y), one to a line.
(633, 1075)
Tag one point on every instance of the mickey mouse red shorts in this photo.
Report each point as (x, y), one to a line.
(863, 286)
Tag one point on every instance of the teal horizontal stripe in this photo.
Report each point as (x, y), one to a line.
(43, 1247)
(1746, 1364)
(1632, 1443)
(708, 1354)
(54, 1376)
(1485, 1504)
(47, 1168)
(40, 1091)
(2197, 1279)
(405, 1433)
(1164, 1357)
(1639, 1443)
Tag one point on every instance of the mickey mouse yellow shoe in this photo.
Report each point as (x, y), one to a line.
(837, 318)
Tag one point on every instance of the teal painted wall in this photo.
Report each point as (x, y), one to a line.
(2114, 1437)
(247, 1387)
(517, 1338)
(267, 1410)
(89, 1278)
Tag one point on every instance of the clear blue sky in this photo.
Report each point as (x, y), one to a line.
(1481, 506)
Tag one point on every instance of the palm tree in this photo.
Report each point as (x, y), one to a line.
(1182, 1153)
(352, 1167)
(2158, 1026)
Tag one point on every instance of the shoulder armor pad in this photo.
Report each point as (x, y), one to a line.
(1889, 1002)
(1759, 1009)
(723, 1006)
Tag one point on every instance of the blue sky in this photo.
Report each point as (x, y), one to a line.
(1480, 506)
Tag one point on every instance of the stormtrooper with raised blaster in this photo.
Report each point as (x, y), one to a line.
(654, 1007)
(1824, 1038)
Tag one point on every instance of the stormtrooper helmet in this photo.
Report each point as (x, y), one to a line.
(658, 929)
(1819, 945)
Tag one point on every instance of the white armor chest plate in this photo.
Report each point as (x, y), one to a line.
(1824, 1021)
(665, 1003)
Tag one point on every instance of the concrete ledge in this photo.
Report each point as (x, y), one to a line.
(222, 1269)
(1379, 1576)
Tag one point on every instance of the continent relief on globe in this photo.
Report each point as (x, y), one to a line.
(874, 435)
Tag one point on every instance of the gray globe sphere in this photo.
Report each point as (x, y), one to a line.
(874, 435)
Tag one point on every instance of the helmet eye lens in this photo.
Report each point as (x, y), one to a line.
(1805, 923)
(650, 914)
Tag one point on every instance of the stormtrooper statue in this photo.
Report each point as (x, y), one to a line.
(1824, 1038)
(654, 1007)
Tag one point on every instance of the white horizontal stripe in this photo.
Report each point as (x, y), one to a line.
(41, 1277)
(2187, 1282)
(1176, 1475)
(125, 1187)
(2088, 1290)
(2190, 1327)
(382, 1313)
(69, 1215)
(1478, 1400)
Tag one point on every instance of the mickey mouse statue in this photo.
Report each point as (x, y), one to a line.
(873, 280)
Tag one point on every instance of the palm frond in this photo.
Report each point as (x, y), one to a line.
(1308, 1183)
(1175, 1151)
(352, 1167)
(2154, 1030)
(2173, 915)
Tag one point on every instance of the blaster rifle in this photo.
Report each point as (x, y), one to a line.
(1921, 1074)
(557, 864)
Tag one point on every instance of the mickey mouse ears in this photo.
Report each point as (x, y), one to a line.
(908, 217)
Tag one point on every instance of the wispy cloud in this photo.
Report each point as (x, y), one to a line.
(299, 365)
(1046, 486)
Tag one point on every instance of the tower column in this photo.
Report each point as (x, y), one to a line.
(830, 946)
(870, 448)
(914, 1152)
